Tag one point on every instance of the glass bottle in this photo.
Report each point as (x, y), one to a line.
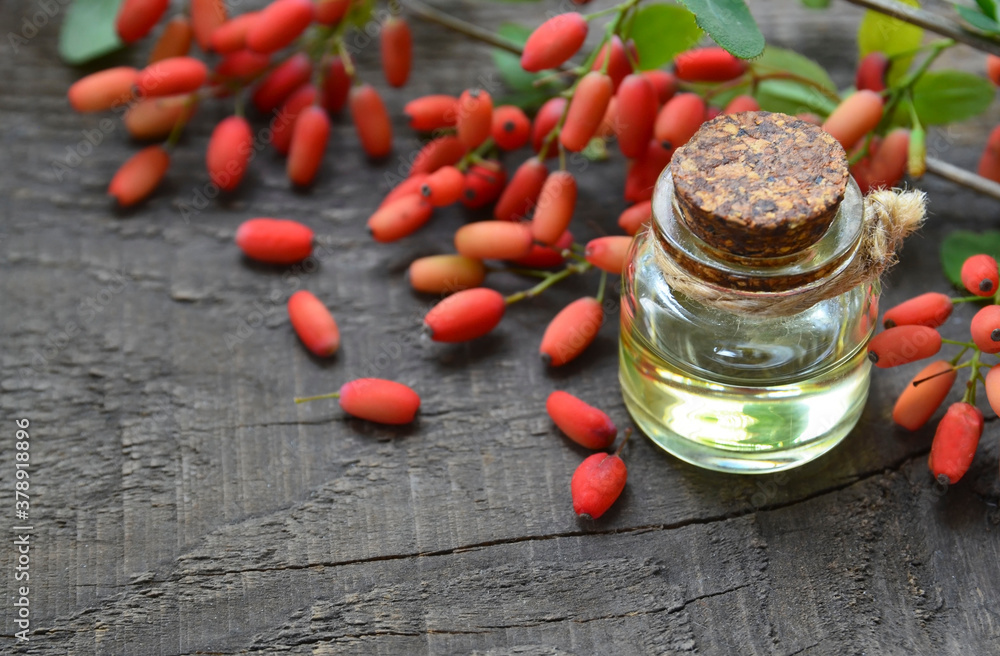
(731, 356)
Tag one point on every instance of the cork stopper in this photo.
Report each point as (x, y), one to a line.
(759, 184)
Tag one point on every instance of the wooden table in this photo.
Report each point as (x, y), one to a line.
(182, 504)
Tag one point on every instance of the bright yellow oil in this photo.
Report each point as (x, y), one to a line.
(740, 428)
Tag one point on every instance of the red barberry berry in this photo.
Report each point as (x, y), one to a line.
(443, 151)
(554, 41)
(872, 70)
(336, 86)
(380, 401)
(136, 18)
(309, 138)
(240, 65)
(979, 275)
(989, 162)
(644, 171)
(475, 117)
(708, 65)
(169, 77)
(636, 115)
(741, 103)
(408, 187)
(924, 395)
(400, 218)
(229, 151)
(313, 323)
(545, 121)
(665, 84)
(955, 442)
(103, 90)
(581, 422)
(432, 112)
(555, 207)
(985, 329)
(511, 128)
(597, 484)
(284, 127)
(371, 120)
(544, 257)
(931, 309)
(586, 109)
(521, 195)
(444, 186)
(636, 216)
(888, 165)
(206, 17)
(231, 36)
(465, 315)
(571, 331)
(396, 48)
(446, 274)
(855, 117)
(608, 253)
(331, 12)
(282, 82)
(493, 240)
(175, 41)
(483, 184)
(156, 117)
(275, 241)
(903, 344)
(279, 23)
(992, 385)
(139, 175)
(619, 65)
(679, 119)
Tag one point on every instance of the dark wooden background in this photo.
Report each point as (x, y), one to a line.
(183, 504)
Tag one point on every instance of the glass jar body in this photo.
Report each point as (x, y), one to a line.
(736, 392)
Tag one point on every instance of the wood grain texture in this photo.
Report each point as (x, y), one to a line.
(183, 504)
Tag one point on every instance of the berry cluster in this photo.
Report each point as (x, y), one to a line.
(292, 62)
(911, 334)
(299, 89)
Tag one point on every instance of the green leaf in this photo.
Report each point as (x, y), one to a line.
(790, 97)
(816, 4)
(728, 22)
(988, 7)
(661, 32)
(881, 33)
(977, 20)
(960, 245)
(780, 59)
(509, 64)
(88, 31)
(949, 96)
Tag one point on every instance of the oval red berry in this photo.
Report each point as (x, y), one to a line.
(903, 344)
(378, 400)
(597, 483)
(571, 331)
(985, 329)
(313, 323)
(924, 395)
(465, 315)
(139, 175)
(554, 41)
(275, 241)
(931, 309)
(979, 275)
(581, 422)
(955, 442)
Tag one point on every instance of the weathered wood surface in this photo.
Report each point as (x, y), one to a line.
(182, 504)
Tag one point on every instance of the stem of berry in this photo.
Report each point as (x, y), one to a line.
(628, 434)
(970, 387)
(968, 299)
(958, 343)
(178, 129)
(954, 360)
(602, 286)
(318, 397)
(549, 280)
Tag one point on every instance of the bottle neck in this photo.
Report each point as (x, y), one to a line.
(790, 273)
